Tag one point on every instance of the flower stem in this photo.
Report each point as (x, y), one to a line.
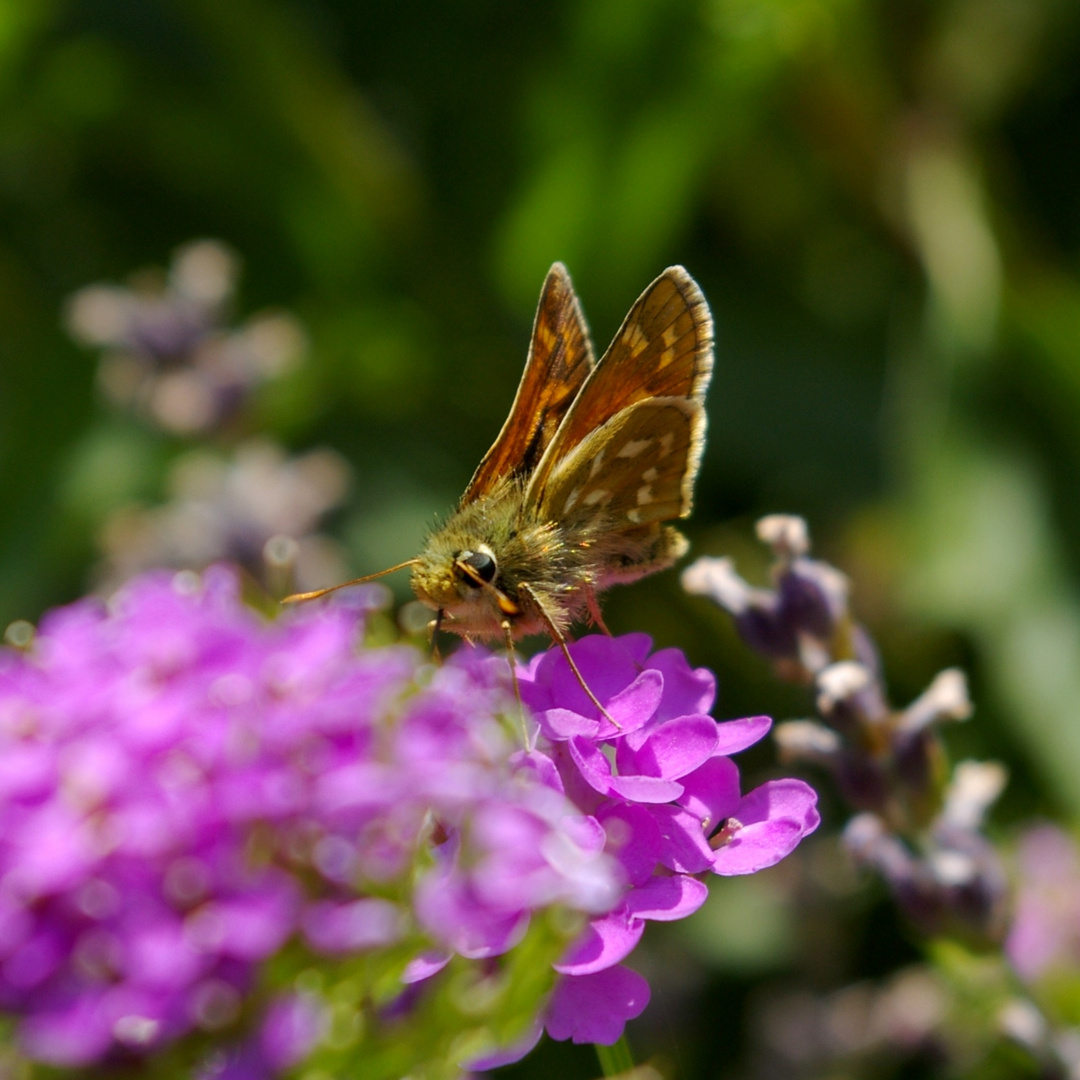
(615, 1060)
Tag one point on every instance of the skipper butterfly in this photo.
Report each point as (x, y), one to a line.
(592, 461)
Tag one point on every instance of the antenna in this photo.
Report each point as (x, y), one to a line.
(300, 597)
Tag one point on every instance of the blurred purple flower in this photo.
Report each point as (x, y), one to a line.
(793, 623)
(168, 352)
(953, 881)
(260, 508)
(1045, 932)
(185, 789)
(919, 824)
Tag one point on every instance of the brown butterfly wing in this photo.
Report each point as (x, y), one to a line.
(662, 350)
(559, 362)
(635, 469)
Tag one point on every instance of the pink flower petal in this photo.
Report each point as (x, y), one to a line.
(646, 789)
(605, 941)
(687, 690)
(757, 846)
(711, 792)
(508, 1054)
(736, 735)
(594, 1008)
(606, 666)
(68, 1038)
(560, 724)
(594, 766)
(596, 771)
(671, 750)
(787, 798)
(425, 965)
(291, 1027)
(362, 924)
(635, 706)
(633, 837)
(667, 899)
(685, 849)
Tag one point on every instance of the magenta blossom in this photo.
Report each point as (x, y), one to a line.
(186, 790)
(188, 793)
(657, 775)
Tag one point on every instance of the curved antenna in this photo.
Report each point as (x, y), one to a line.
(300, 597)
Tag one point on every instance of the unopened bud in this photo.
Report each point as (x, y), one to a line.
(813, 597)
(786, 534)
(717, 580)
(974, 788)
(946, 698)
(806, 740)
(19, 634)
(281, 552)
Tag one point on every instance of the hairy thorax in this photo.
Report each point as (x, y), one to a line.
(496, 565)
(535, 566)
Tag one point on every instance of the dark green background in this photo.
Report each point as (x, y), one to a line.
(878, 197)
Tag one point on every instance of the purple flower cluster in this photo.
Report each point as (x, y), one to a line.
(185, 791)
(260, 508)
(168, 352)
(657, 776)
(918, 825)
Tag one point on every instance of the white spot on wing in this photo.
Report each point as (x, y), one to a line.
(571, 500)
(649, 475)
(634, 516)
(597, 464)
(670, 335)
(597, 496)
(635, 340)
(644, 495)
(635, 446)
(667, 440)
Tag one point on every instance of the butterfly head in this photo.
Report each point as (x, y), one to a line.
(463, 583)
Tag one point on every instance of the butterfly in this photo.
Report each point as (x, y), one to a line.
(593, 460)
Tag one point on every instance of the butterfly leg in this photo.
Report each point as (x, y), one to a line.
(594, 611)
(598, 619)
(560, 639)
(511, 656)
(436, 625)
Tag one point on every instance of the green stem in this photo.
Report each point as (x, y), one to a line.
(615, 1060)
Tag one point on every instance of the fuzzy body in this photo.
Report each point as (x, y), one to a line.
(561, 564)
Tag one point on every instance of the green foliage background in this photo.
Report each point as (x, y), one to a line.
(878, 197)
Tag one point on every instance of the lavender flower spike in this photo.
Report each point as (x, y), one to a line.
(168, 352)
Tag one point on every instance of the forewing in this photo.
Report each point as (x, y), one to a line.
(560, 360)
(663, 349)
(637, 468)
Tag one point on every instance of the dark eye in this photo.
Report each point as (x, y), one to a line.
(482, 563)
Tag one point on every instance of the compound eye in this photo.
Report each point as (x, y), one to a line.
(482, 563)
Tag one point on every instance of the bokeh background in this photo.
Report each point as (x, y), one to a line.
(878, 197)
